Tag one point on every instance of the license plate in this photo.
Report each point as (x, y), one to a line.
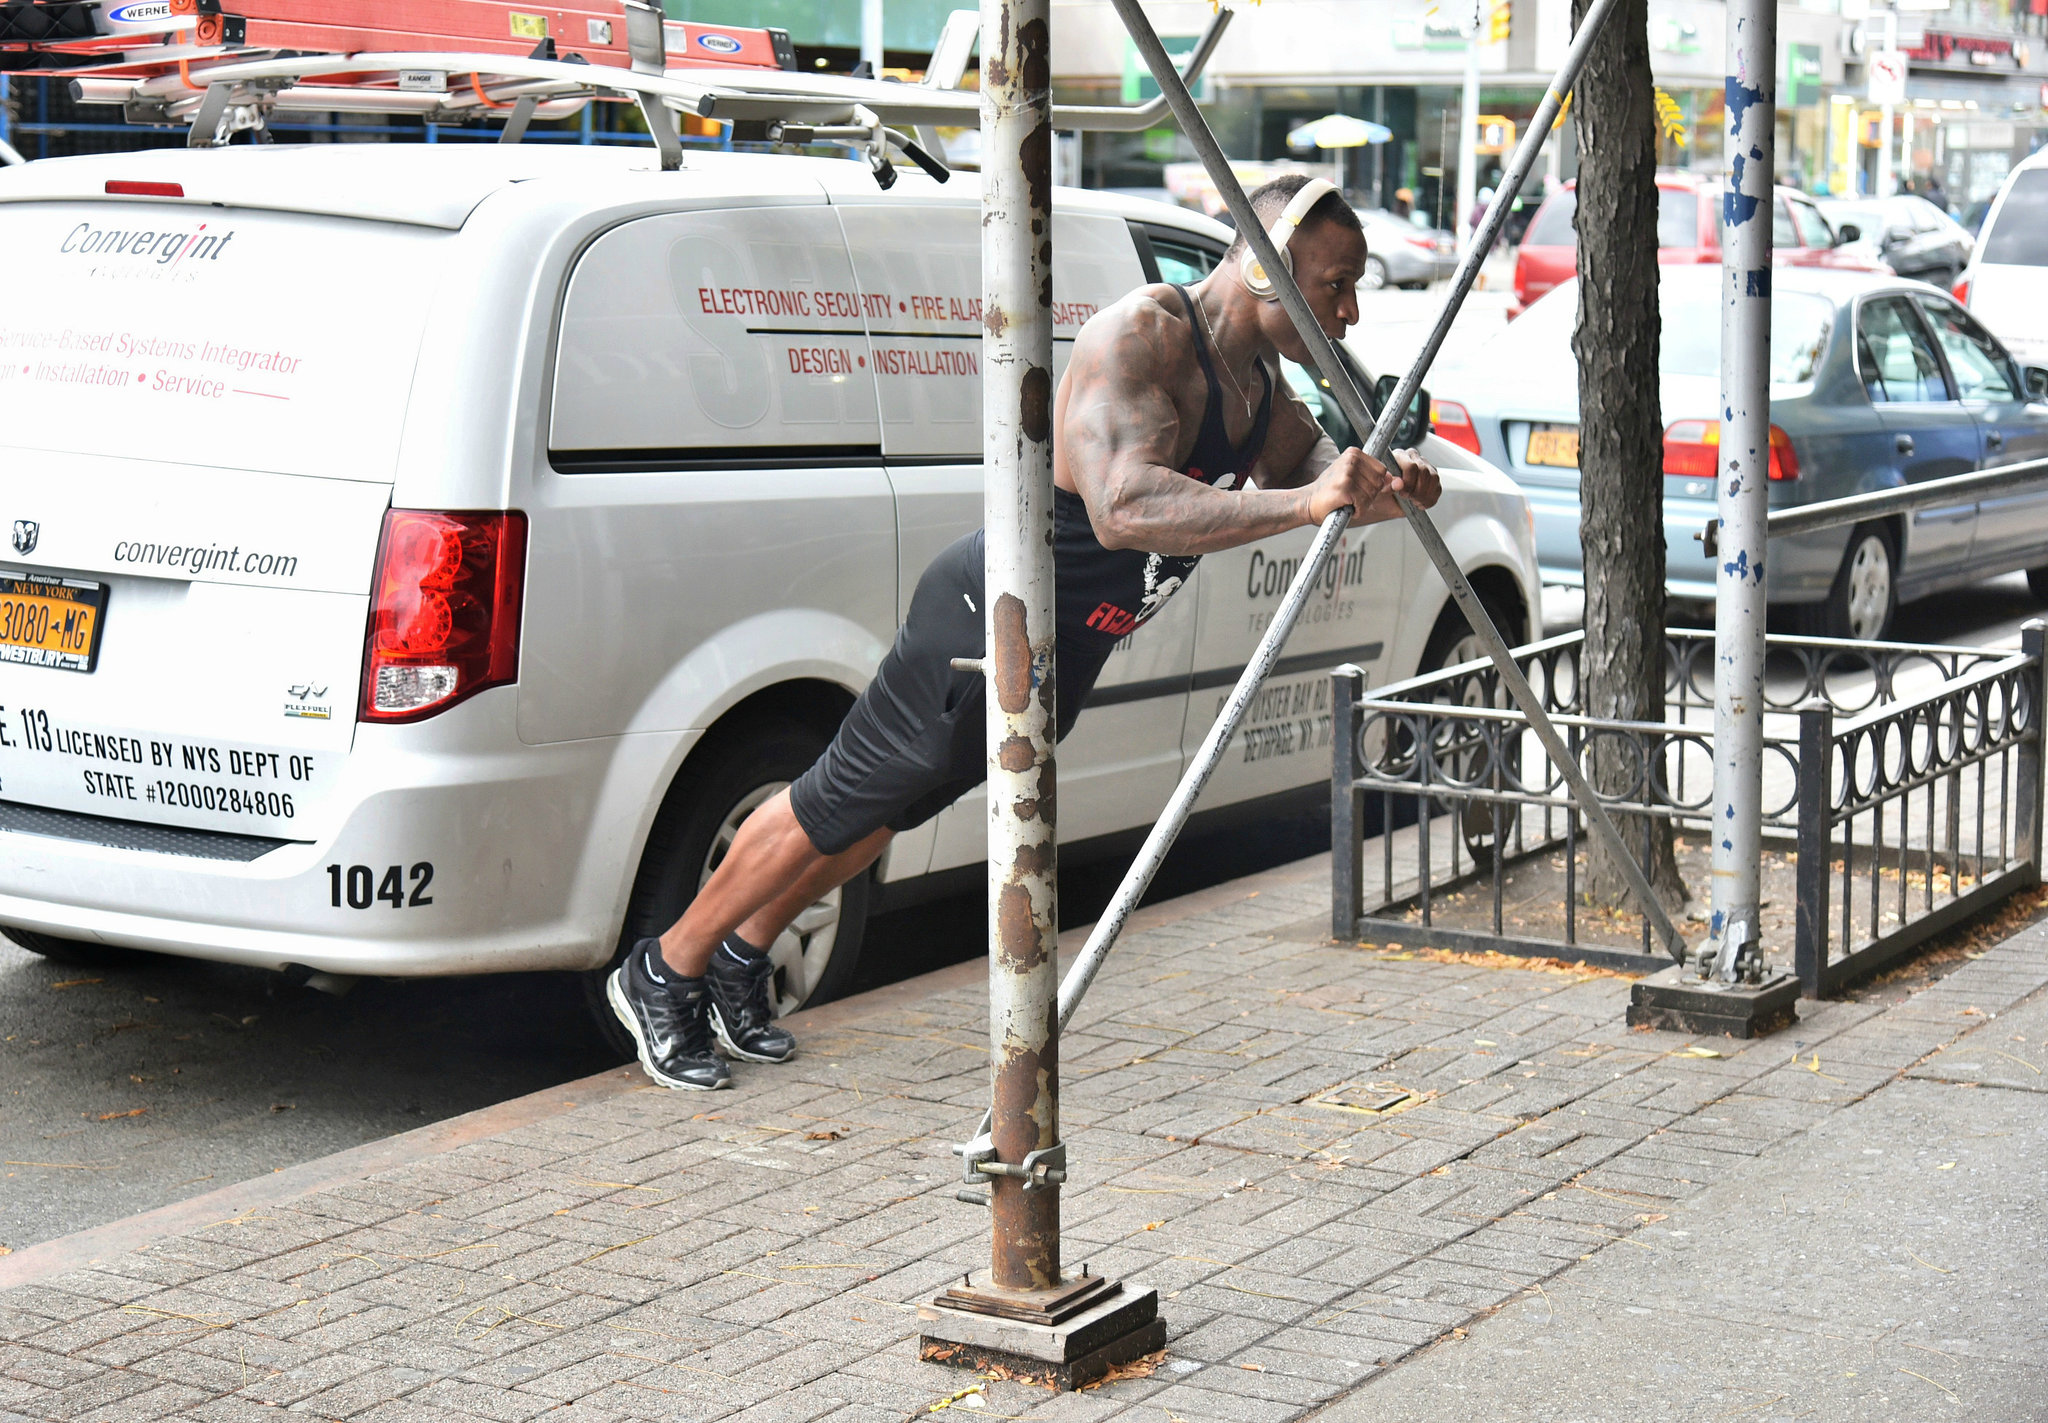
(51, 622)
(1559, 447)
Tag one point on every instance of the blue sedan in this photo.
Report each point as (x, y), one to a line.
(1876, 382)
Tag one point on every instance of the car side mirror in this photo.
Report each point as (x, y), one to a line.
(1848, 232)
(1414, 425)
(1895, 236)
(2035, 378)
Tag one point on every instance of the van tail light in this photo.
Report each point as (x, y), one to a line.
(444, 611)
(1961, 290)
(1451, 420)
(1692, 450)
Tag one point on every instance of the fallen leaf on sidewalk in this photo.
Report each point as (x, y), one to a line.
(824, 1136)
(2020, 1060)
(1696, 1051)
(1946, 1166)
(1814, 1068)
(75, 983)
(116, 1116)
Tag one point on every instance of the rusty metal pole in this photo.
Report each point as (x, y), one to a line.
(1025, 1316)
(1019, 671)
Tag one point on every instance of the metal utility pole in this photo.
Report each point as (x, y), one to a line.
(1016, 267)
(871, 35)
(1743, 493)
(1468, 133)
(1025, 1314)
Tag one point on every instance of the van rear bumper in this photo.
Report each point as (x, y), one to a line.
(475, 854)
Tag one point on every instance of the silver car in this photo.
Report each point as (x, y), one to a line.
(1875, 382)
(1400, 254)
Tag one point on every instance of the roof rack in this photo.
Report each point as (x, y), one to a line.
(195, 63)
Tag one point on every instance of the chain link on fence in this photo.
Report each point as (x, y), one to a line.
(1906, 777)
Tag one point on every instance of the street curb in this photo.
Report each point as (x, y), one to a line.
(85, 1248)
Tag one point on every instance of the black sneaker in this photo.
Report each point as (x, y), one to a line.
(669, 1025)
(741, 1012)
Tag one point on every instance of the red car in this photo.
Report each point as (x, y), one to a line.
(1688, 230)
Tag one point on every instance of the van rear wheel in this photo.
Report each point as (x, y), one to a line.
(75, 952)
(725, 781)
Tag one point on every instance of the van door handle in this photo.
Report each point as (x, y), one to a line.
(1994, 438)
(1903, 443)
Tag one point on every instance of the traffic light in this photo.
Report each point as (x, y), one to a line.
(1499, 20)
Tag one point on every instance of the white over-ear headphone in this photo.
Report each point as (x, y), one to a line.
(1249, 271)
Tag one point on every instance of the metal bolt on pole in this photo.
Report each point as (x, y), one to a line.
(1743, 496)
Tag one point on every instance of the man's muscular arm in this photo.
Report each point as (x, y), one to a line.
(1119, 435)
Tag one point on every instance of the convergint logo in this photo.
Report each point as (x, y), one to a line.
(145, 244)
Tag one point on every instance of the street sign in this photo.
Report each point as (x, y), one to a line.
(1887, 73)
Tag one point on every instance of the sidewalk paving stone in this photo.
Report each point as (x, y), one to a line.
(758, 1255)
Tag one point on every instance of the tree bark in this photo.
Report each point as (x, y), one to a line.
(1621, 430)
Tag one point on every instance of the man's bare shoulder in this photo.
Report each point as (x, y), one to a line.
(1148, 326)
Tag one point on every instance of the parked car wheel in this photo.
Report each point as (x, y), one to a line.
(726, 782)
(2037, 583)
(75, 952)
(1451, 643)
(1865, 594)
(1375, 275)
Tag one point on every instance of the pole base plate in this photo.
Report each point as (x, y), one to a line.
(1068, 1336)
(1678, 1002)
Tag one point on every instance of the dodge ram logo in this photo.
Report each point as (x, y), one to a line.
(26, 532)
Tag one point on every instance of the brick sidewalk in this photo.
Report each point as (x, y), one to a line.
(758, 1254)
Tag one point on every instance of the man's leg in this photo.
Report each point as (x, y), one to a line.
(771, 874)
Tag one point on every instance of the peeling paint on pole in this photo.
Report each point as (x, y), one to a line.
(1742, 498)
(1017, 396)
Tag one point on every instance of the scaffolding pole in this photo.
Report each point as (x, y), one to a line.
(1742, 496)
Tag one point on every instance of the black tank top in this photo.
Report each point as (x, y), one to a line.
(1105, 593)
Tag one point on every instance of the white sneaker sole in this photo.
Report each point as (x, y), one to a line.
(733, 1049)
(616, 996)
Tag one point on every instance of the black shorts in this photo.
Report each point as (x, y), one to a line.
(916, 741)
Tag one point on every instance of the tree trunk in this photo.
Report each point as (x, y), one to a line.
(1621, 429)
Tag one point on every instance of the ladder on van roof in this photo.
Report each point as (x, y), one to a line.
(222, 67)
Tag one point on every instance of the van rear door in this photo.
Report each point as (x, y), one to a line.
(199, 422)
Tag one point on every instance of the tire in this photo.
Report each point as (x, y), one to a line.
(2037, 583)
(75, 952)
(1865, 594)
(1375, 277)
(723, 781)
(1450, 643)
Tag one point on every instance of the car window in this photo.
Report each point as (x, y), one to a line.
(1784, 235)
(1691, 340)
(1866, 221)
(1926, 216)
(1181, 262)
(1678, 217)
(1813, 225)
(2019, 237)
(1553, 224)
(1895, 356)
(1315, 394)
(1982, 369)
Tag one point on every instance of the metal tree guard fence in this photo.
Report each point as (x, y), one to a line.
(1907, 778)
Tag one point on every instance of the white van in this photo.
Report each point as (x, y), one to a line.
(2006, 283)
(423, 557)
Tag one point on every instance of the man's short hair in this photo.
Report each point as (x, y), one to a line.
(1269, 200)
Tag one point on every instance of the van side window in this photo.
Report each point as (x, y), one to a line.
(1181, 263)
(688, 336)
